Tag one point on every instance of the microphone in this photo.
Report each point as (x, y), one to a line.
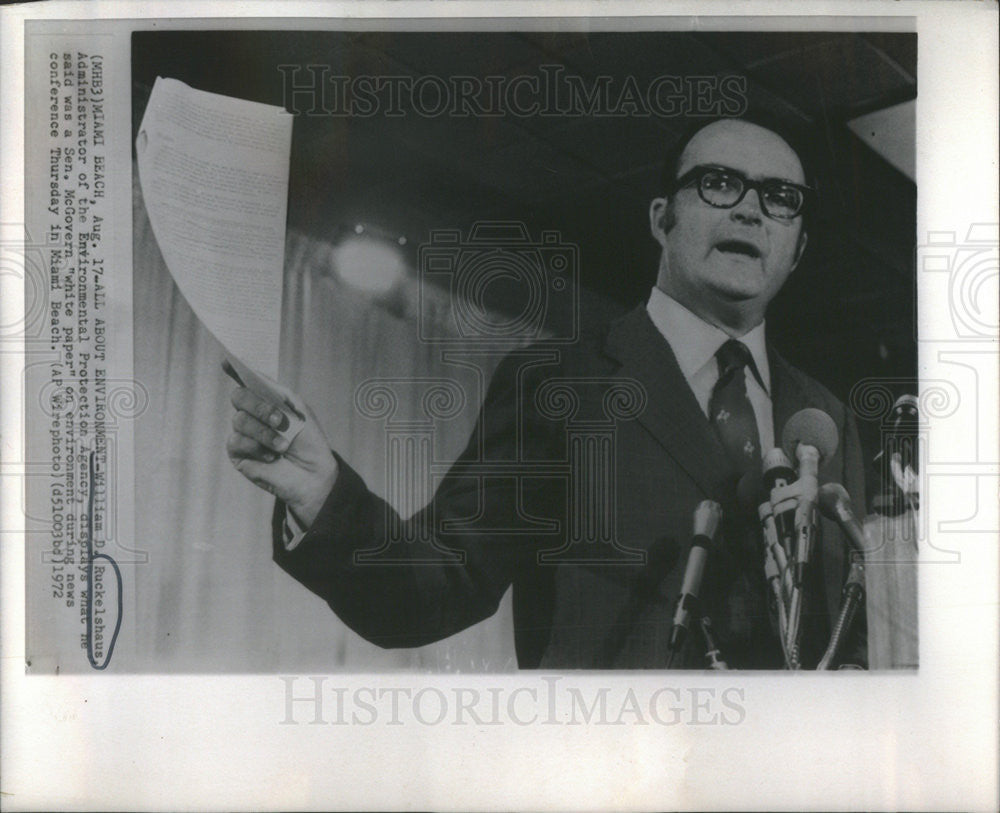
(707, 516)
(899, 458)
(774, 551)
(903, 458)
(776, 571)
(835, 504)
(753, 500)
(810, 427)
(810, 436)
(774, 575)
(905, 411)
(777, 469)
(778, 478)
(905, 420)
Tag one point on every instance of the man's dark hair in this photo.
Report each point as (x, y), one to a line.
(792, 134)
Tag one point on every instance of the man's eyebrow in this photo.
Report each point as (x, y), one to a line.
(785, 180)
(750, 177)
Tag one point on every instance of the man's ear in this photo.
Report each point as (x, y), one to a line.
(661, 219)
(800, 248)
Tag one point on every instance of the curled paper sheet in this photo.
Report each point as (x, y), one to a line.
(214, 177)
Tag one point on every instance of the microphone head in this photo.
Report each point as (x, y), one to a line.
(707, 517)
(833, 498)
(810, 427)
(906, 407)
(774, 458)
(903, 437)
(776, 466)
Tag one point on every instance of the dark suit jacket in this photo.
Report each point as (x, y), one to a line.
(513, 510)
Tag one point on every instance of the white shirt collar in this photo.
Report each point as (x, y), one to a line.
(695, 342)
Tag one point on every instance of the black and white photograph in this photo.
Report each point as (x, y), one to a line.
(512, 377)
(585, 329)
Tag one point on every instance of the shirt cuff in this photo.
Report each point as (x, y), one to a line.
(291, 531)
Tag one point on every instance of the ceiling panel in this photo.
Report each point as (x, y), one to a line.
(600, 142)
(842, 74)
(888, 132)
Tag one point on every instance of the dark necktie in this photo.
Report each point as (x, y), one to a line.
(729, 409)
(741, 609)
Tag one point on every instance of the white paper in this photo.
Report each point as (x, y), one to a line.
(214, 176)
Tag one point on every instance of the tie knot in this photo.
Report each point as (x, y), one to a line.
(732, 356)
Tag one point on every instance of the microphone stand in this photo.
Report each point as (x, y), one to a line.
(707, 517)
(712, 652)
(853, 597)
(794, 619)
(772, 571)
(906, 481)
(805, 527)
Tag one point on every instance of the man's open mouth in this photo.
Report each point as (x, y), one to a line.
(743, 247)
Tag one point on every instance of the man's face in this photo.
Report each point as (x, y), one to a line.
(726, 265)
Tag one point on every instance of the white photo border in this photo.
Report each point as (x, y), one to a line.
(908, 741)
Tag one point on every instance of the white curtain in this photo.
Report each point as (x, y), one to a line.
(210, 599)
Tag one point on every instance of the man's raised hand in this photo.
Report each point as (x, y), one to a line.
(301, 474)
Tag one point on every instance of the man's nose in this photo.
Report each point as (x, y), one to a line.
(749, 209)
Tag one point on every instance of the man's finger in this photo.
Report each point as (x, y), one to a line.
(272, 477)
(262, 410)
(239, 445)
(246, 424)
(256, 473)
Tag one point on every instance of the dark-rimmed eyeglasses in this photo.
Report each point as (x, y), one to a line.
(724, 188)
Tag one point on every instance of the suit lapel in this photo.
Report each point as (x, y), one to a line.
(672, 414)
(787, 397)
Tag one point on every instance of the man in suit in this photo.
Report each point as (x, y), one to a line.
(685, 395)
